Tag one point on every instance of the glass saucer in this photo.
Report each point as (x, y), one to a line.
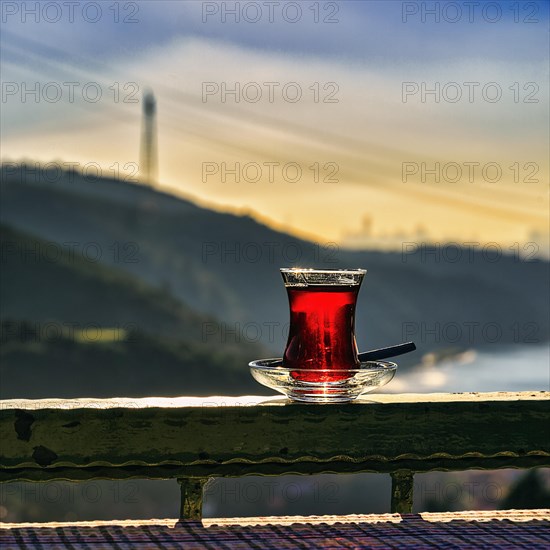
(331, 386)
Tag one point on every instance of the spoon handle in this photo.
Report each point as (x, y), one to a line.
(385, 353)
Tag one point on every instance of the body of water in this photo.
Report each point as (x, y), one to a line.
(512, 368)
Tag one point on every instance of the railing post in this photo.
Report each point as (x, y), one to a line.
(191, 497)
(402, 492)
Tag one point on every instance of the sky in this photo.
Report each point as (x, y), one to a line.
(351, 121)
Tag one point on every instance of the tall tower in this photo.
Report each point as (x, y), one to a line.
(148, 159)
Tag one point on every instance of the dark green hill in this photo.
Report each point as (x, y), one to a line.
(227, 266)
(45, 282)
(136, 366)
(71, 327)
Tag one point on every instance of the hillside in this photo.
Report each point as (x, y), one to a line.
(139, 365)
(71, 327)
(227, 265)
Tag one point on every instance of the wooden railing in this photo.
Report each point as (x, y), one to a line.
(194, 439)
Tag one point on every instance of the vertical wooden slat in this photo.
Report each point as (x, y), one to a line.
(402, 492)
(191, 497)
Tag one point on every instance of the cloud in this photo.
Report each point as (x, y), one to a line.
(367, 132)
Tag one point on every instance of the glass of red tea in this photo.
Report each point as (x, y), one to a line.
(321, 344)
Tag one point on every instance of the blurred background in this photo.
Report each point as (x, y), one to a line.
(161, 160)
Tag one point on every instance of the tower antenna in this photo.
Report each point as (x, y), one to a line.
(148, 160)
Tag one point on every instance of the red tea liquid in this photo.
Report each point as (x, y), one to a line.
(322, 332)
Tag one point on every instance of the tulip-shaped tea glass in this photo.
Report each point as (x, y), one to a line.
(321, 362)
(321, 343)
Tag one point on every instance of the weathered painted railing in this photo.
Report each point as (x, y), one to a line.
(194, 439)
